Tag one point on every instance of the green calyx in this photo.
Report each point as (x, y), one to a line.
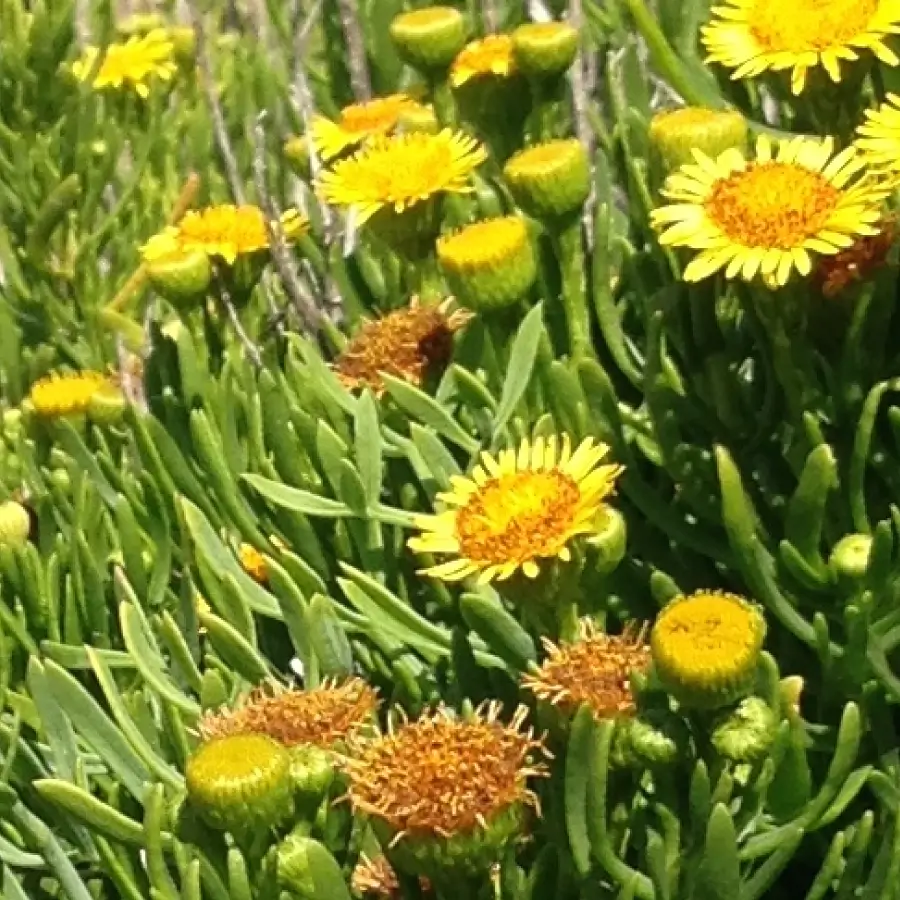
(746, 733)
(550, 180)
(545, 49)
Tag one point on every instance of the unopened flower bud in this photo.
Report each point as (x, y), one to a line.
(545, 49)
(182, 278)
(745, 734)
(107, 405)
(429, 39)
(296, 150)
(676, 133)
(312, 770)
(609, 539)
(241, 783)
(140, 25)
(550, 180)
(656, 738)
(491, 264)
(850, 557)
(185, 43)
(15, 524)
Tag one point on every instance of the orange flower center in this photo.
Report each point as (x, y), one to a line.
(809, 25)
(773, 204)
(518, 517)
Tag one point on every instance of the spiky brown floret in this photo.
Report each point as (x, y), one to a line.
(405, 343)
(834, 274)
(326, 716)
(596, 670)
(445, 776)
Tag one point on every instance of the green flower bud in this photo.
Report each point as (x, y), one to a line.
(294, 865)
(241, 783)
(609, 539)
(12, 423)
(183, 279)
(849, 559)
(140, 25)
(296, 151)
(550, 180)
(312, 770)
(706, 648)
(745, 734)
(491, 264)
(676, 133)
(656, 738)
(429, 39)
(15, 524)
(185, 43)
(107, 405)
(545, 49)
(61, 480)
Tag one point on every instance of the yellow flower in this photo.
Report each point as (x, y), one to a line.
(752, 36)
(518, 508)
(133, 63)
(401, 171)
(706, 647)
(769, 214)
(225, 231)
(879, 136)
(447, 792)
(596, 670)
(66, 394)
(359, 122)
(491, 55)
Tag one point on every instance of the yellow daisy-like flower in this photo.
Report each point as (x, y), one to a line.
(752, 36)
(66, 394)
(400, 171)
(133, 63)
(518, 508)
(359, 122)
(225, 231)
(769, 214)
(491, 55)
(878, 138)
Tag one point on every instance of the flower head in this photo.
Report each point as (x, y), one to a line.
(253, 563)
(752, 36)
(550, 180)
(768, 215)
(358, 123)
(488, 56)
(449, 793)
(596, 670)
(66, 394)
(545, 49)
(324, 717)
(518, 508)
(134, 63)
(375, 878)
(401, 171)
(405, 343)
(878, 138)
(224, 232)
(429, 38)
(706, 647)
(676, 133)
(489, 264)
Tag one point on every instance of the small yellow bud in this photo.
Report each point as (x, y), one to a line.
(609, 538)
(550, 180)
(676, 133)
(182, 278)
(850, 557)
(15, 524)
(296, 151)
(429, 39)
(545, 49)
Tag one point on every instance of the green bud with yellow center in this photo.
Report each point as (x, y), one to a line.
(745, 734)
(15, 524)
(545, 49)
(182, 278)
(312, 770)
(491, 264)
(296, 151)
(241, 783)
(676, 133)
(107, 405)
(609, 539)
(849, 560)
(430, 38)
(706, 648)
(550, 180)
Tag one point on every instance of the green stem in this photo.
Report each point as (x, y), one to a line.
(443, 101)
(574, 288)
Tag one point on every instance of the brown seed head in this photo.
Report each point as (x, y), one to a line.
(444, 776)
(376, 878)
(596, 670)
(405, 343)
(324, 717)
(834, 274)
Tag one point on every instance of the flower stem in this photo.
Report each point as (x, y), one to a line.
(574, 288)
(443, 101)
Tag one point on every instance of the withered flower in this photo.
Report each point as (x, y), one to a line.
(834, 274)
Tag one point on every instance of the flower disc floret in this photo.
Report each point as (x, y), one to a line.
(401, 171)
(66, 394)
(359, 122)
(517, 508)
(132, 64)
(753, 36)
(769, 215)
(706, 648)
(447, 793)
(491, 56)
(490, 264)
